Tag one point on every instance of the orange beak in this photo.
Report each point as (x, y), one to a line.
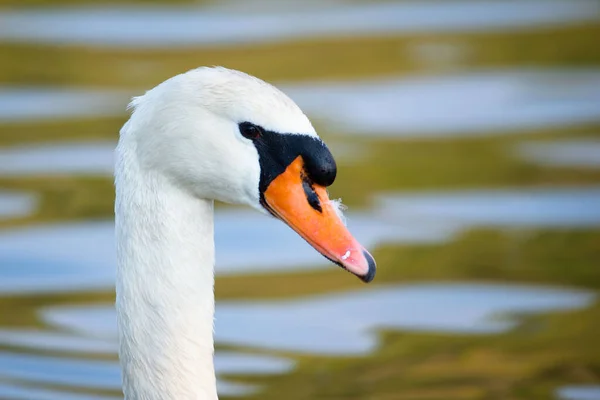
(306, 208)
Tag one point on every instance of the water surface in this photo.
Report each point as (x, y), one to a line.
(543, 207)
(14, 204)
(463, 104)
(454, 105)
(188, 26)
(578, 153)
(15, 391)
(26, 103)
(57, 329)
(334, 324)
(66, 158)
(76, 373)
(41, 258)
(579, 392)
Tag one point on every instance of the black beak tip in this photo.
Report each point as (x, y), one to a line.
(372, 268)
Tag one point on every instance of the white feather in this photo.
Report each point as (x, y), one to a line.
(339, 209)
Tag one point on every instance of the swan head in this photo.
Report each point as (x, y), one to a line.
(221, 134)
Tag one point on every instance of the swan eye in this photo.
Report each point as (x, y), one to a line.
(250, 131)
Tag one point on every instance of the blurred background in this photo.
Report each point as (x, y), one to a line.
(467, 134)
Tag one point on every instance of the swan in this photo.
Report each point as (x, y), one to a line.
(207, 134)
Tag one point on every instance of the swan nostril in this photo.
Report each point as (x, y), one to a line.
(311, 195)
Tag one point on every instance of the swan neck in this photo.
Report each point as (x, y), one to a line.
(165, 280)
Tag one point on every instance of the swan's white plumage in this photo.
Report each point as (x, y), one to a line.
(233, 95)
(179, 151)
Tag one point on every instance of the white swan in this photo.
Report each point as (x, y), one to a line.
(208, 134)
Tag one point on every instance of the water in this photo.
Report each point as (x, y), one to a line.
(455, 105)
(14, 204)
(96, 374)
(463, 104)
(515, 208)
(246, 241)
(57, 324)
(344, 324)
(187, 26)
(41, 258)
(69, 158)
(337, 324)
(577, 153)
(579, 392)
(18, 392)
(27, 103)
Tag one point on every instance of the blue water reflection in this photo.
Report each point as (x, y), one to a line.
(41, 258)
(576, 153)
(187, 26)
(335, 324)
(15, 204)
(466, 104)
